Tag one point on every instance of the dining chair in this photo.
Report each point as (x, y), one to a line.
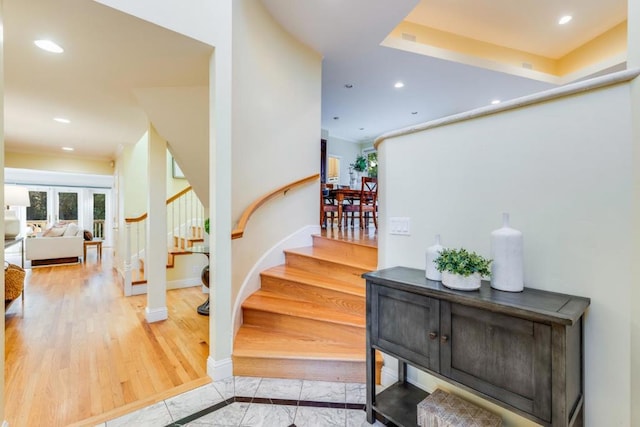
(328, 205)
(367, 204)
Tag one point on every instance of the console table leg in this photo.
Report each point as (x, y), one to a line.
(402, 371)
(371, 384)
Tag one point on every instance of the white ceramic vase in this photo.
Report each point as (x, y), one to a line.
(433, 252)
(460, 282)
(356, 180)
(507, 272)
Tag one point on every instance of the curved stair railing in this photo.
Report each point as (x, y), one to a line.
(185, 226)
(238, 232)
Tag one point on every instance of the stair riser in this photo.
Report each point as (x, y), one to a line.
(313, 370)
(197, 232)
(366, 254)
(181, 242)
(339, 300)
(310, 327)
(327, 268)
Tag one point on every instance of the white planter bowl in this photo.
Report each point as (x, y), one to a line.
(461, 283)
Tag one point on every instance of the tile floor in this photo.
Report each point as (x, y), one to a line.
(253, 402)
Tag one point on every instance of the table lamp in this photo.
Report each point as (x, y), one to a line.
(14, 196)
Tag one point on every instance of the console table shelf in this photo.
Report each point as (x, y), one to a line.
(522, 351)
(398, 403)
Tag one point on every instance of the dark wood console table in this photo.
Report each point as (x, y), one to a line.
(522, 351)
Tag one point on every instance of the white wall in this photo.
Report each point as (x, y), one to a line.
(174, 185)
(633, 61)
(347, 151)
(563, 169)
(58, 163)
(181, 117)
(276, 132)
(134, 183)
(131, 186)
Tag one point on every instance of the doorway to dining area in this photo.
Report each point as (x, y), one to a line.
(345, 200)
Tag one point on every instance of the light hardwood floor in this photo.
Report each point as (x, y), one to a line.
(82, 349)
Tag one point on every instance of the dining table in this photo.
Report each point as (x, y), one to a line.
(342, 194)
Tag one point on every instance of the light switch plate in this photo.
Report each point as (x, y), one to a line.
(400, 225)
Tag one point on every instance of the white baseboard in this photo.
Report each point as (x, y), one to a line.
(156, 314)
(138, 289)
(174, 284)
(388, 376)
(219, 369)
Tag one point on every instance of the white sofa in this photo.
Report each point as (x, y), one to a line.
(55, 247)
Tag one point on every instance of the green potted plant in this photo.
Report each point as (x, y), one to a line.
(356, 171)
(360, 164)
(462, 269)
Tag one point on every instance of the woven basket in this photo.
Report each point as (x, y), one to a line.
(13, 281)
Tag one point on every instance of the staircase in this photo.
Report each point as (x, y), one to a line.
(180, 245)
(308, 319)
(185, 222)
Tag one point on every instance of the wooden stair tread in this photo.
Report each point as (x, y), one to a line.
(257, 342)
(179, 251)
(319, 280)
(366, 243)
(137, 277)
(308, 319)
(266, 301)
(327, 255)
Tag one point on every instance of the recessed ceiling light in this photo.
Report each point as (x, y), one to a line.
(49, 46)
(398, 85)
(348, 86)
(565, 19)
(361, 128)
(414, 112)
(68, 148)
(495, 101)
(61, 120)
(336, 118)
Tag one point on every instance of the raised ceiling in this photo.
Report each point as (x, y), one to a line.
(526, 25)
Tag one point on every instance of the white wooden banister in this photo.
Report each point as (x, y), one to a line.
(185, 222)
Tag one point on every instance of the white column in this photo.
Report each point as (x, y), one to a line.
(156, 250)
(219, 364)
(633, 61)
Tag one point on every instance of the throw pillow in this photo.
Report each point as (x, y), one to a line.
(88, 235)
(72, 229)
(54, 232)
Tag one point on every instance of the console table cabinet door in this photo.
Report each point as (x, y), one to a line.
(504, 357)
(406, 325)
